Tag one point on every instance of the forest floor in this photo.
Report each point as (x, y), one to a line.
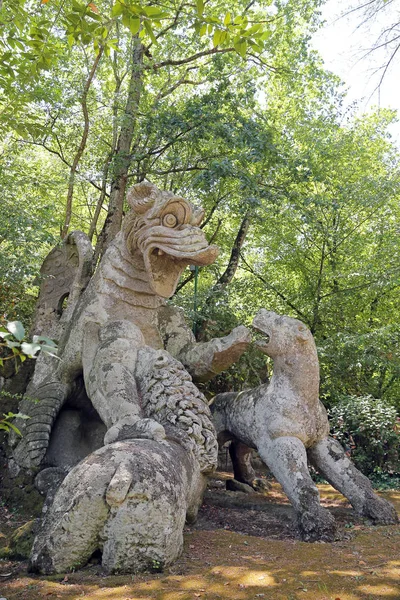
(242, 547)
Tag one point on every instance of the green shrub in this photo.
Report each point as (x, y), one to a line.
(369, 429)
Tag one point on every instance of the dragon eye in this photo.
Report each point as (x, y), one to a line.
(169, 220)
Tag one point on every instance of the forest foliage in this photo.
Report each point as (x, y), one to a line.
(228, 105)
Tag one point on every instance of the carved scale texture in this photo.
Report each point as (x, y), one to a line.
(169, 396)
(32, 448)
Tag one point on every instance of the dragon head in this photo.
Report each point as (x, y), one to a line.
(165, 229)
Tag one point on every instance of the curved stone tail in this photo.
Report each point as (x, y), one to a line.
(42, 411)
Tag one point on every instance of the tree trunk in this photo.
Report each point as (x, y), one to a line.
(233, 263)
(82, 146)
(122, 160)
(228, 274)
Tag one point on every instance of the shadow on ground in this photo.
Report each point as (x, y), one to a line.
(220, 563)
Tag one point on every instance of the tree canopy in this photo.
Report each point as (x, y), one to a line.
(227, 104)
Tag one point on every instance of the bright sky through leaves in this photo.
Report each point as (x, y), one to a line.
(345, 44)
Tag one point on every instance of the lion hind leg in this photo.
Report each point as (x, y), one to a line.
(331, 461)
(287, 459)
(243, 470)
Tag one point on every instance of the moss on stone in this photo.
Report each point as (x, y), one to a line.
(21, 541)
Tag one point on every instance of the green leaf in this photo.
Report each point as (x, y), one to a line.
(78, 7)
(265, 35)
(134, 25)
(17, 329)
(20, 416)
(254, 29)
(241, 47)
(5, 334)
(30, 349)
(228, 18)
(155, 13)
(117, 9)
(43, 338)
(12, 345)
(11, 426)
(216, 37)
(255, 46)
(203, 30)
(200, 7)
(150, 32)
(125, 20)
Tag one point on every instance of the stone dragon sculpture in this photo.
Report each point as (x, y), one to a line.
(121, 311)
(127, 357)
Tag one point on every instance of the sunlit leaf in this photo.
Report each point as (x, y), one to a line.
(228, 18)
(30, 349)
(200, 7)
(17, 329)
(117, 9)
(216, 37)
(241, 47)
(155, 13)
(150, 32)
(134, 25)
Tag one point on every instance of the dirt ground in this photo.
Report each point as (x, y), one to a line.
(242, 547)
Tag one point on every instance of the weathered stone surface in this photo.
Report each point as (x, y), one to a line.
(121, 312)
(285, 421)
(22, 540)
(238, 486)
(120, 359)
(129, 500)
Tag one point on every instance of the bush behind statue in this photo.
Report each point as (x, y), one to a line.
(369, 428)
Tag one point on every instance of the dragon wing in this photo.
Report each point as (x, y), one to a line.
(64, 275)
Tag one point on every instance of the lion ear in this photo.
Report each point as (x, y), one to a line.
(142, 196)
(302, 334)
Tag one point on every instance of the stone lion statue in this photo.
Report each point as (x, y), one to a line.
(288, 425)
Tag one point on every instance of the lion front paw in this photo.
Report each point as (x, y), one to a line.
(316, 525)
(130, 428)
(260, 485)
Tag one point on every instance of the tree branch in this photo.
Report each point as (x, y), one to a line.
(189, 59)
(276, 291)
(82, 145)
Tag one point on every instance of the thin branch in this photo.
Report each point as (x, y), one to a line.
(187, 280)
(214, 235)
(213, 209)
(61, 157)
(189, 59)
(178, 170)
(275, 290)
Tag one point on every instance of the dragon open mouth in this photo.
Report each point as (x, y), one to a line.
(165, 259)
